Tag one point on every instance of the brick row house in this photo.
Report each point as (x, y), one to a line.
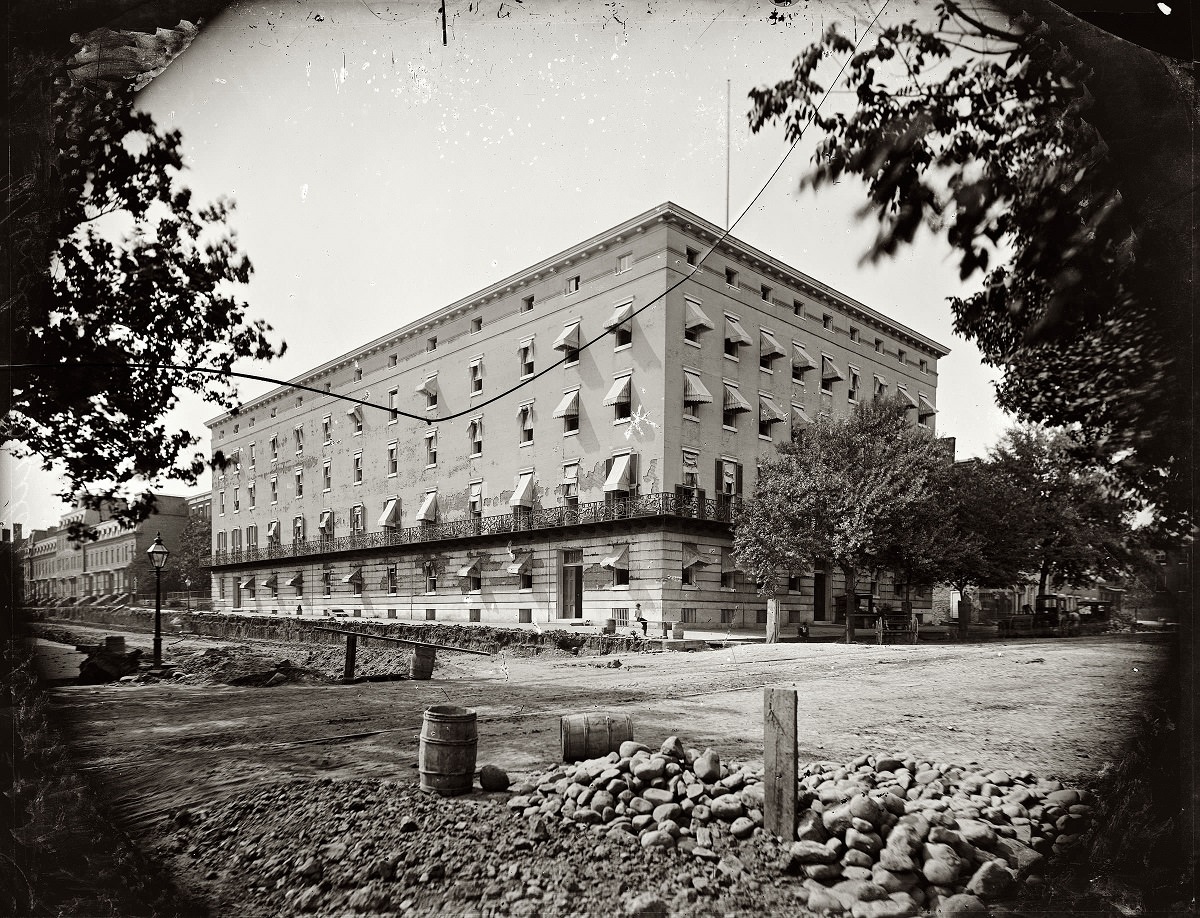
(607, 477)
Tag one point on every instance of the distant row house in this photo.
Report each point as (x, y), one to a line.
(583, 432)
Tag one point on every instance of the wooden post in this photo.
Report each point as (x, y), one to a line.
(773, 619)
(351, 650)
(779, 760)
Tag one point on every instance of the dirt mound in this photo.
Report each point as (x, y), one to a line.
(245, 666)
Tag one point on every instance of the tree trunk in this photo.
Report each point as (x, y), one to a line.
(964, 615)
(773, 619)
(851, 576)
(1044, 579)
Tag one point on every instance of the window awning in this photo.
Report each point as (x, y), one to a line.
(880, 385)
(694, 391)
(523, 496)
(800, 416)
(520, 563)
(296, 579)
(428, 511)
(525, 412)
(569, 406)
(270, 582)
(695, 317)
(734, 400)
(728, 563)
(428, 385)
(272, 529)
(801, 359)
(620, 316)
(391, 512)
(692, 556)
(476, 490)
(768, 346)
(247, 584)
(925, 409)
(735, 333)
(569, 340)
(468, 569)
(571, 472)
(619, 394)
(617, 559)
(353, 410)
(769, 412)
(618, 476)
(355, 576)
(908, 399)
(326, 519)
(829, 369)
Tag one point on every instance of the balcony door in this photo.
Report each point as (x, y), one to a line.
(570, 580)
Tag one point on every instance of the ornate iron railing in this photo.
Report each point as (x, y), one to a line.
(719, 509)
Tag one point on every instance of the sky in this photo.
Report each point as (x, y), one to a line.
(379, 174)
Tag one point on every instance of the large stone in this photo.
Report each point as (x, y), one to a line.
(667, 811)
(728, 808)
(888, 763)
(639, 805)
(629, 749)
(742, 827)
(885, 908)
(961, 906)
(869, 842)
(893, 804)
(894, 881)
(855, 858)
(701, 813)
(823, 872)
(852, 872)
(905, 838)
(991, 881)
(602, 800)
(823, 902)
(810, 827)
(1062, 798)
(978, 833)
(650, 769)
(656, 839)
(838, 819)
(645, 905)
(1020, 857)
(851, 891)
(940, 872)
(708, 767)
(672, 747)
(897, 860)
(811, 852)
(753, 795)
(658, 796)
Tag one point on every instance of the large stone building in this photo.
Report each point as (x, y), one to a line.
(583, 429)
(109, 567)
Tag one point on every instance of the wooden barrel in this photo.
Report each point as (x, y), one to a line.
(422, 663)
(446, 759)
(587, 736)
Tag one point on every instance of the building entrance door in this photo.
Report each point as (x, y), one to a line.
(819, 597)
(570, 599)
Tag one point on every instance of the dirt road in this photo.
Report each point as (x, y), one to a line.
(1060, 708)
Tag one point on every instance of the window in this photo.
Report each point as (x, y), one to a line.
(924, 364)
(797, 309)
(273, 535)
(695, 394)
(570, 486)
(527, 302)
(829, 374)
(731, 277)
(853, 333)
(298, 437)
(728, 582)
(801, 363)
(525, 419)
(728, 481)
(222, 542)
(620, 577)
(392, 586)
(880, 387)
(692, 256)
(620, 398)
(901, 354)
(327, 475)
(431, 398)
(327, 429)
(358, 468)
(327, 583)
(768, 350)
(430, 577)
(733, 405)
(525, 579)
(274, 489)
(252, 536)
(357, 520)
(325, 525)
(852, 390)
(695, 322)
(393, 399)
(299, 482)
(571, 286)
(476, 324)
(689, 576)
(431, 343)
(475, 500)
(768, 414)
(252, 451)
(474, 580)
(357, 371)
(525, 358)
(390, 517)
(356, 581)
(624, 262)
(328, 387)
(475, 375)
(735, 337)
(236, 537)
(431, 448)
(827, 321)
(475, 436)
(393, 360)
(878, 345)
(427, 515)
(221, 503)
(274, 448)
(765, 293)
(250, 496)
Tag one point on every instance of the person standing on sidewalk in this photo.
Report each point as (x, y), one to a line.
(637, 609)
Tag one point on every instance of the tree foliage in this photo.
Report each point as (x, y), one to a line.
(990, 135)
(113, 267)
(845, 492)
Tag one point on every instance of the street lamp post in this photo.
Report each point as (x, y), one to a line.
(158, 557)
(187, 585)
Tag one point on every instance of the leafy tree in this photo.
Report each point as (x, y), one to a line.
(989, 134)
(112, 269)
(192, 553)
(1078, 531)
(844, 491)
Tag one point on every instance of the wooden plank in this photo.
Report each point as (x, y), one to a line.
(779, 760)
(351, 653)
(398, 640)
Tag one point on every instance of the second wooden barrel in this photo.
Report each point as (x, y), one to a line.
(446, 757)
(587, 736)
(422, 663)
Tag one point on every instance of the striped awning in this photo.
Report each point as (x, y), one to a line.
(391, 511)
(735, 333)
(768, 346)
(355, 576)
(523, 495)
(801, 359)
(569, 339)
(734, 400)
(800, 416)
(908, 399)
(326, 520)
(829, 370)
(769, 412)
(428, 511)
(520, 563)
(428, 385)
(618, 476)
(925, 409)
(297, 579)
(695, 317)
(247, 584)
(692, 556)
(618, 559)
(694, 391)
(569, 406)
(620, 315)
(619, 394)
(468, 569)
(272, 529)
(270, 582)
